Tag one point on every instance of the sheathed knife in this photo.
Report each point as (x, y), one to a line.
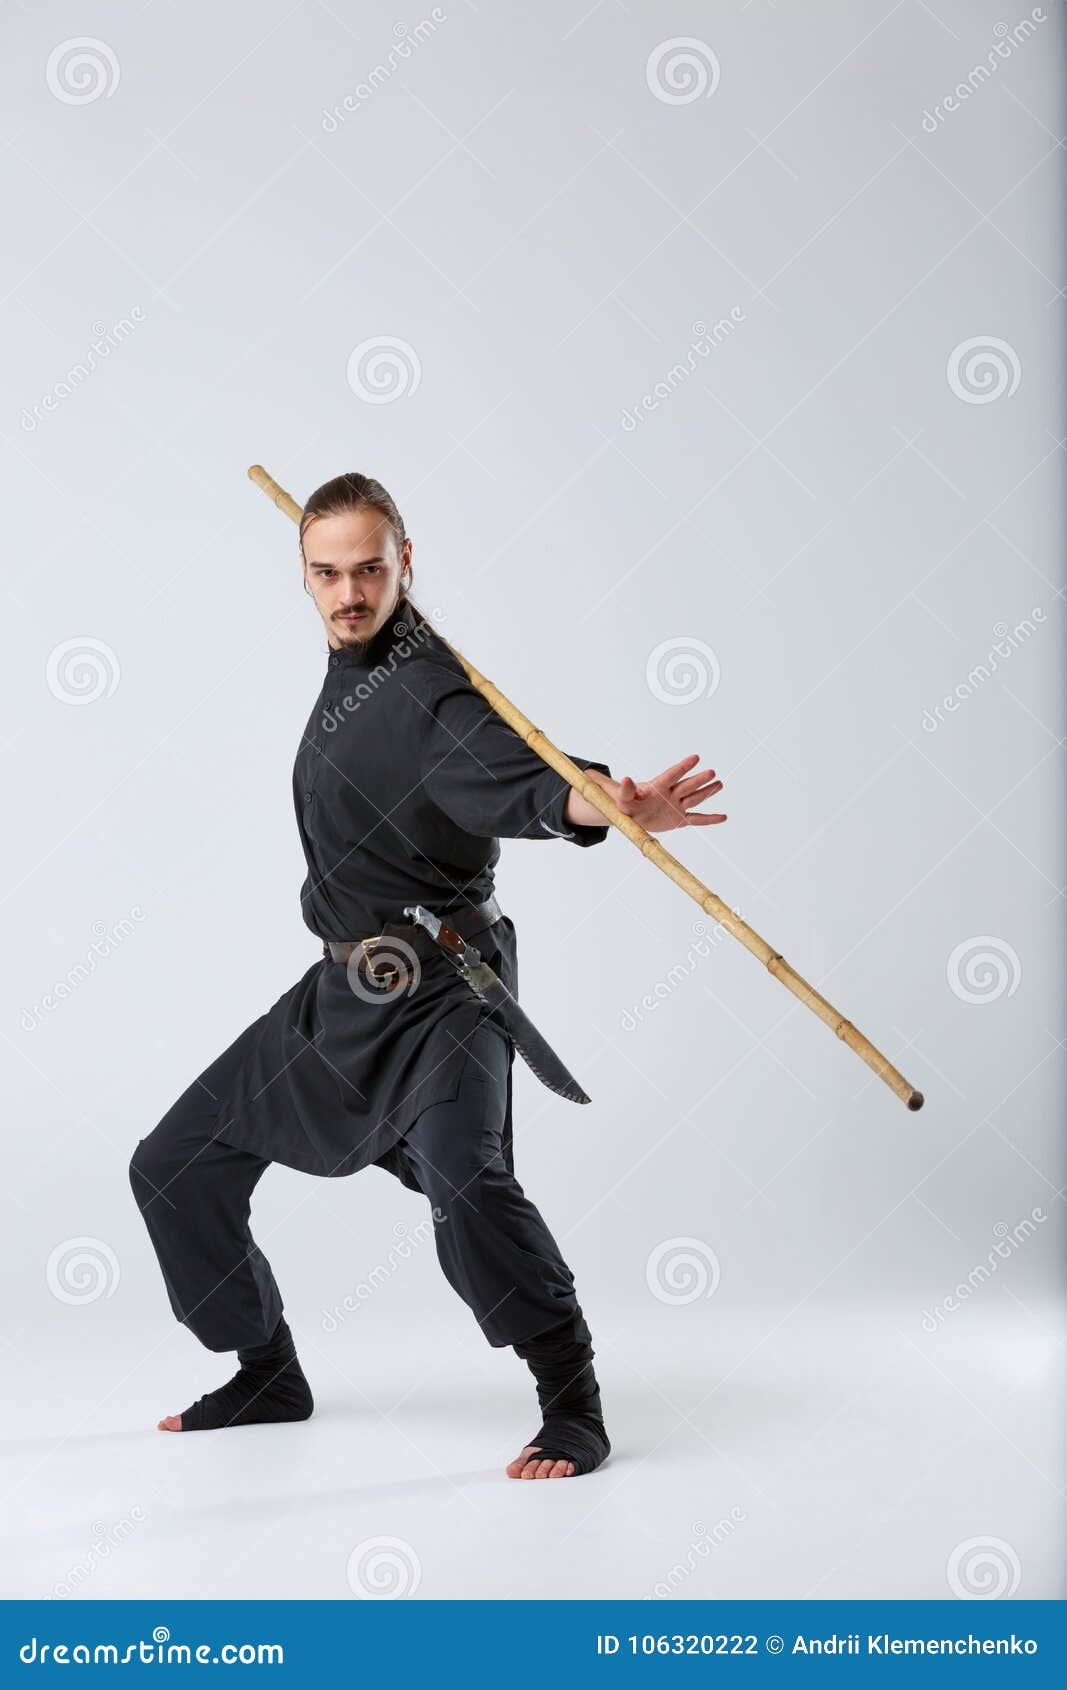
(487, 984)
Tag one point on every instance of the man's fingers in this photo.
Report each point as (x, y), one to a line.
(701, 793)
(684, 786)
(677, 769)
(700, 820)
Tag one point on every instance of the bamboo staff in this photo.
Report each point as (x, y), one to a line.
(709, 902)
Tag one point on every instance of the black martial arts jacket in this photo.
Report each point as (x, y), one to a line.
(404, 782)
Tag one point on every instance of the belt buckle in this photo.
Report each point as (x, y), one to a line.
(390, 976)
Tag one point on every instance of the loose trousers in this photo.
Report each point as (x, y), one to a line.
(194, 1191)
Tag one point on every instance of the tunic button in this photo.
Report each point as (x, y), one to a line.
(307, 798)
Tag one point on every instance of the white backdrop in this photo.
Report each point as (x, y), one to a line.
(714, 357)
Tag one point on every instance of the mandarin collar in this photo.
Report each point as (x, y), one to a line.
(400, 627)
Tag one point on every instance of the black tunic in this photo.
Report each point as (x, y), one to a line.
(404, 781)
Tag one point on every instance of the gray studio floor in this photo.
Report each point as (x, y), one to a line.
(841, 1451)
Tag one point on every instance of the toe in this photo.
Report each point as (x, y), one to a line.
(544, 1468)
(514, 1468)
(561, 1470)
(170, 1423)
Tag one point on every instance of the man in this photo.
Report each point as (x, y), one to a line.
(404, 781)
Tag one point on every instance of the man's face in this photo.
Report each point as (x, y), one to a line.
(353, 570)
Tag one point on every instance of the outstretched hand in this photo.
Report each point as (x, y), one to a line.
(669, 800)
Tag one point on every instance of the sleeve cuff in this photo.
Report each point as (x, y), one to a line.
(553, 821)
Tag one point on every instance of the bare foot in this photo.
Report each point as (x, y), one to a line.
(169, 1423)
(523, 1467)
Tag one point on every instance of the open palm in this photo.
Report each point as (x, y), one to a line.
(669, 800)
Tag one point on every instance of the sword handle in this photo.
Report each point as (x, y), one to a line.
(449, 940)
(447, 937)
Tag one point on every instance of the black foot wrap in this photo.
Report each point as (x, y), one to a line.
(269, 1386)
(561, 1362)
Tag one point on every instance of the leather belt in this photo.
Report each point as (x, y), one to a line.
(413, 941)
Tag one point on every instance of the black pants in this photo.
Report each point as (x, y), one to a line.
(194, 1191)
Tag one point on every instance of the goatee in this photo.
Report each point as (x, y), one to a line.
(350, 637)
